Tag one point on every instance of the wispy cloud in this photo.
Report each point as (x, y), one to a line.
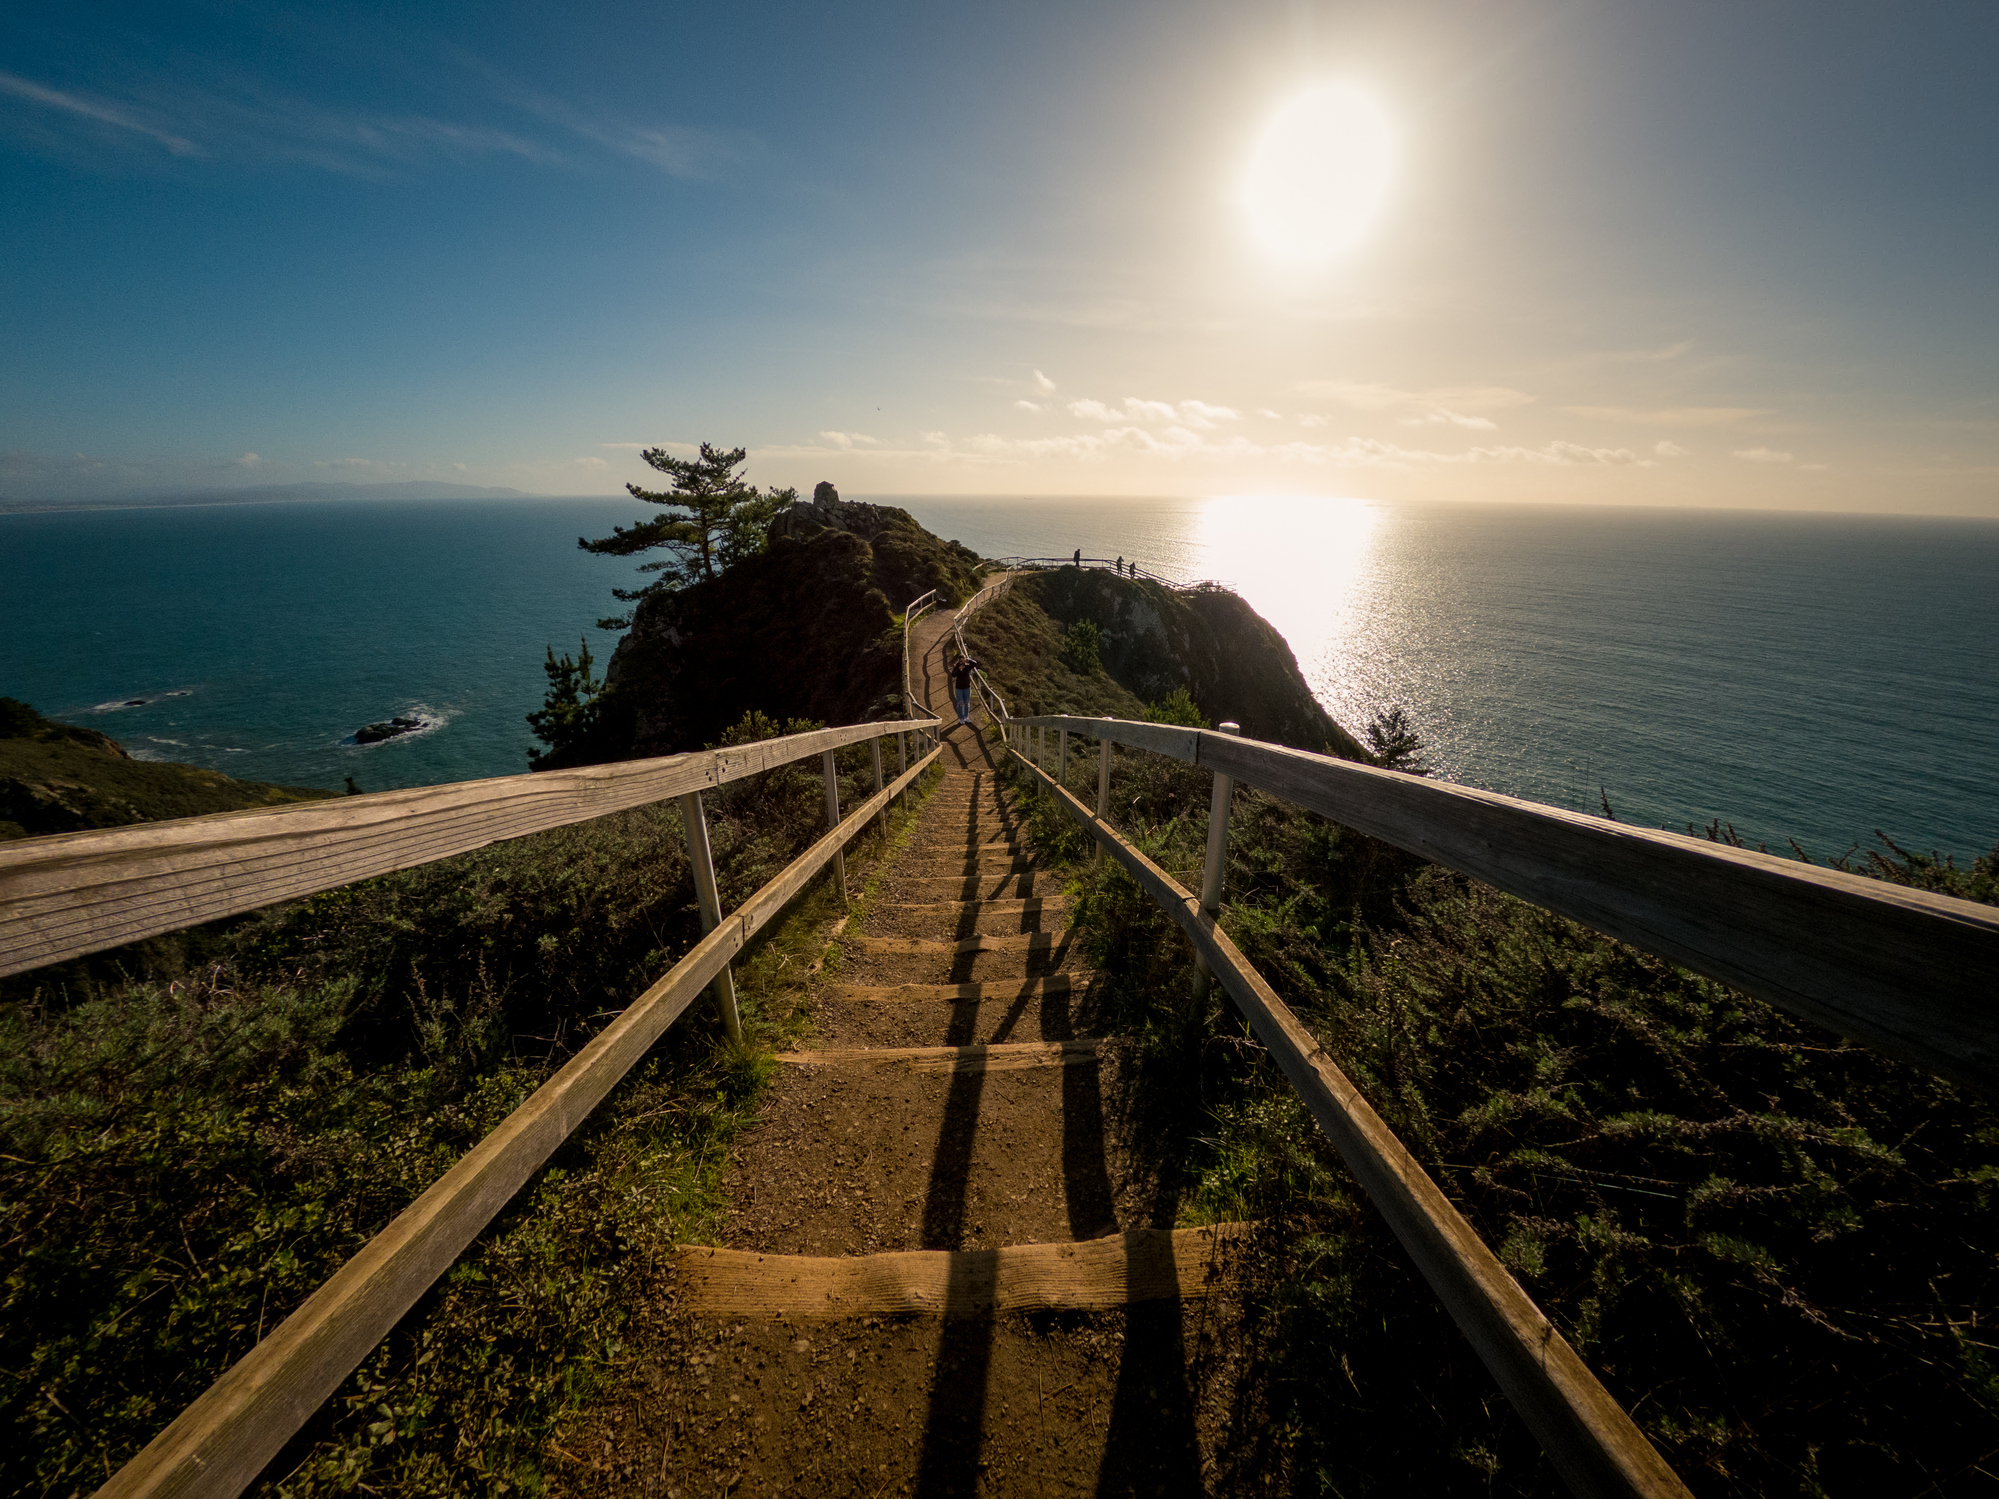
(1671, 416)
(1042, 383)
(1446, 418)
(1765, 455)
(847, 440)
(118, 116)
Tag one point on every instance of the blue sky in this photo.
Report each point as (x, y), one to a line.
(1699, 254)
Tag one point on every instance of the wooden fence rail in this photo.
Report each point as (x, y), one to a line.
(78, 893)
(1594, 1444)
(1913, 974)
(218, 1445)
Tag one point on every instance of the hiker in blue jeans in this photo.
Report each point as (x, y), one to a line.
(961, 686)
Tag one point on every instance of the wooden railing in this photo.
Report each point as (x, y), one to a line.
(78, 893)
(1911, 973)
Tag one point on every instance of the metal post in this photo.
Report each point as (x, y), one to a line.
(1218, 852)
(833, 821)
(881, 817)
(695, 823)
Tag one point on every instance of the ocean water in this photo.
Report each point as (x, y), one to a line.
(1802, 676)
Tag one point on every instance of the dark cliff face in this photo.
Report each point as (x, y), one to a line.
(804, 630)
(1232, 663)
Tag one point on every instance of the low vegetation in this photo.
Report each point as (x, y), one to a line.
(190, 1147)
(1774, 1246)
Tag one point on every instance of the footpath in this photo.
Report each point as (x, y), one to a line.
(944, 1271)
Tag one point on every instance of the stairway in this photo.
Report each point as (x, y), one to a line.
(933, 1280)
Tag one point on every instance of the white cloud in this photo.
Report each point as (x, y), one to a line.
(460, 467)
(248, 460)
(1365, 397)
(1043, 383)
(640, 447)
(1313, 419)
(1137, 409)
(588, 464)
(1674, 416)
(847, 440)
(1266, 411)
(1764, 455)
(1669, 450)
(1026, 406)
(1443, 418)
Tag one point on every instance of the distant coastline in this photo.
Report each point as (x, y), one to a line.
(277, 494)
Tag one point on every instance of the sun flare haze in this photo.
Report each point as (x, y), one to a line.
(1317, 174)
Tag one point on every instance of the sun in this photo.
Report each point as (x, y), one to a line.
(1317, 174)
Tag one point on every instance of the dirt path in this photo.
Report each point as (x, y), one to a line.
(847, 1336)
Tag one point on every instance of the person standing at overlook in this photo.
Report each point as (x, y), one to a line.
(961, 686)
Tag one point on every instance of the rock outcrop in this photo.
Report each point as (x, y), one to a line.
(1230, 660)
(806, 630)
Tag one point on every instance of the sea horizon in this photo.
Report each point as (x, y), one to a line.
(1760, 667)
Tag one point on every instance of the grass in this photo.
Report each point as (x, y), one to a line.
(188, 1148)
(1775, 1247)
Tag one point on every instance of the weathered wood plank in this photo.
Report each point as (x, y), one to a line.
(217, 1445)
(76, 893)
(1001, 1056)
(944, 947)
(1147, 1264)
(1592, 1441)
(1915, 975)
(993, 989)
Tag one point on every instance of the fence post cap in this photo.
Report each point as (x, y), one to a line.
(1229, 728)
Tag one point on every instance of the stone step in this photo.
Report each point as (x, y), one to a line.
(1147, 1264)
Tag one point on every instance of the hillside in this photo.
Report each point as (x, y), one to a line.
(1153, 641)
(59, 778)
(809, 629)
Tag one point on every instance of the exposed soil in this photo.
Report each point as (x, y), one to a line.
(1159, 1397)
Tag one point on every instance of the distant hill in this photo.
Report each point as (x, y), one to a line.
(266, 494)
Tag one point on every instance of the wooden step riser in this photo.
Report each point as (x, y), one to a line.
(989, 991)
(944, 1061)
(1148, 1264)
(947, 947)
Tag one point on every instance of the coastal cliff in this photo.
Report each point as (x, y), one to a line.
(61, 778)
(807, 629)
(1149, 642)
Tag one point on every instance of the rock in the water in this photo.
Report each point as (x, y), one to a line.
(376, 732)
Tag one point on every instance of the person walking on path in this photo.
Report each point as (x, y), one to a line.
(961, 686)
(1119, 569)
(1079, 556)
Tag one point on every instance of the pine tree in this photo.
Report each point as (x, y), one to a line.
(713, 520)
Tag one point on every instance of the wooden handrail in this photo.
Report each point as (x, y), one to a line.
(1589, 1437)
(76, 893)
(1912, 974)
(219, 1444)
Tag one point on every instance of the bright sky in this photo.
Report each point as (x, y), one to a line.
(1702, 253)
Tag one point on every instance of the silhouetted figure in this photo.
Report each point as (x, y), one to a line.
(1079, 556)
(1120, 566)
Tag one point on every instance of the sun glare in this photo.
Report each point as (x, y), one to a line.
(1317, 174)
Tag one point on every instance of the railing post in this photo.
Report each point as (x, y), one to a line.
(1103, 786)
(833, 821)
(902, 761)
(1062, 758)
(694, 821)
(881, 817)
(1218, 855)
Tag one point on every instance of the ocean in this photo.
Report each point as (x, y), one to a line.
(1808, 677)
